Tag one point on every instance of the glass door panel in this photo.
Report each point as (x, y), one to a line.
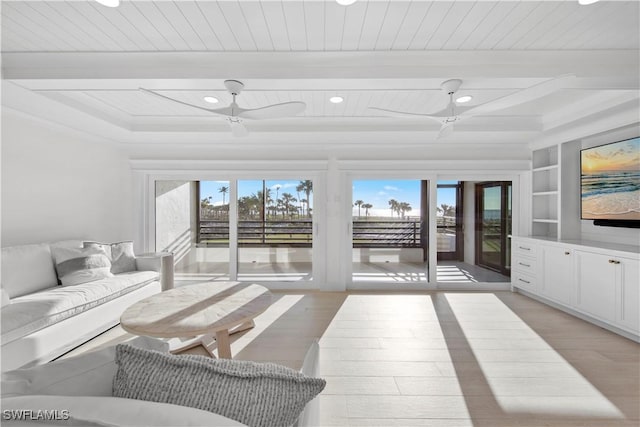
(275, 224)
(449, 221)
(192, 221)
(493, 224)
(388, 221)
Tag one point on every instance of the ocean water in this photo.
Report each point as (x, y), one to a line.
(610, 182)
(609, 193)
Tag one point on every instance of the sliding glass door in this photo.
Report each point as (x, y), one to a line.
(275, 224)
(389, 231)
(253, 230)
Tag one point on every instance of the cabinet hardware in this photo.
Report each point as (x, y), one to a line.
(524, 281)
(613, 261)
(523, 248)
(567, 253)
(526, 265)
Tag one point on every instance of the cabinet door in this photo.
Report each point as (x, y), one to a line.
(629, 300)
(596, 284)
(557, 273)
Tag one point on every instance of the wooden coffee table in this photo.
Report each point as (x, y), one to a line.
(205, 309)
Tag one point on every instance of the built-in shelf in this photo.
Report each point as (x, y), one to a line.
(555, 190)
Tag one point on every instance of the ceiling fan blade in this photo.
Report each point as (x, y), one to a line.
(520, 97)
(178, 101)
(237, 127)
(285, 109)
(394, 113)
(445, 130)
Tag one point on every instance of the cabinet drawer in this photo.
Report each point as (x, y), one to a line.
(524, 248)
(524, 265)
(524, 281)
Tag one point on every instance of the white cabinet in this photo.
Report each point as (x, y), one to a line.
(557, 273)
(599, 282)
(596, 286)
(628, 278)
(524, 269)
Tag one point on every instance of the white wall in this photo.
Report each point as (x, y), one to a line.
(630, 236)
(175, 228)
(60, 184)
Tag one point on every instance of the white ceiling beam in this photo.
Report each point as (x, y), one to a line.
(320, 65)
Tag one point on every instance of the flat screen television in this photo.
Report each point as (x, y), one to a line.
(610, 183)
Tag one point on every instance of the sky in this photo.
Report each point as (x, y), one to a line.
(375, 192)
(620, 156)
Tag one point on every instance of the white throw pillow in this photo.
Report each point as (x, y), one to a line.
(89, 374)
(82, 265)
(27, 269)
(120, 254)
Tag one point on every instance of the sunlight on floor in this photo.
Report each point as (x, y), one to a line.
(452, 273)
(390, 272)
(529, 363)
(277, 309)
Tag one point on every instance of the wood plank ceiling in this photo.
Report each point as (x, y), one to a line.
(250, 26)
(322, 28)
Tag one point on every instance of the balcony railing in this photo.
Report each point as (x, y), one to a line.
(299, 233)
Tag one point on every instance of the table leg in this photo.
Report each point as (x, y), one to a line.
(246, 325)
(224, 344)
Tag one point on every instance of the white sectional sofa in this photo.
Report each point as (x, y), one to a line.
(42, 320)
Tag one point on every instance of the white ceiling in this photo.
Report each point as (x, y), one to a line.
(378, 53)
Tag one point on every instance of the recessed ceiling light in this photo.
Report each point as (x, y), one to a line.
(345, 2)
(463, 99)
(109, 3)
(587, 2)
(211, 99)
(336, 99)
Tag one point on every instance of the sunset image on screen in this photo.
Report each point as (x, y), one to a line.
(611, 181)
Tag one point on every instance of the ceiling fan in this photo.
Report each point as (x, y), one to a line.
(452, 114)
(235, 115)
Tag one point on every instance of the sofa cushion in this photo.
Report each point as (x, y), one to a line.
(30, 313)
(101, 411)
(256, 394)
(120, 254)
(81, 265)
(88, 374)
(27, 269)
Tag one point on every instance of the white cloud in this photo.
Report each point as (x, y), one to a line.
(382, 193)
(391, 188)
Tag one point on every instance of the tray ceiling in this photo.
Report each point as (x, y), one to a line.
(391, 54)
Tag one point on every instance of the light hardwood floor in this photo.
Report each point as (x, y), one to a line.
(447, 359)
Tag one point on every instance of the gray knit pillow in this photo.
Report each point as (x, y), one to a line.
(255, 394)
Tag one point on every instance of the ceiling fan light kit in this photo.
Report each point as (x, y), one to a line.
(235, 114)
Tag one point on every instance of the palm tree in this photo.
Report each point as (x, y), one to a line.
(393, 204)
(447, 210)
(403, 208)
(287, 203)
(224, 191)
(358, 203)
(366, 207)
(307, 187)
